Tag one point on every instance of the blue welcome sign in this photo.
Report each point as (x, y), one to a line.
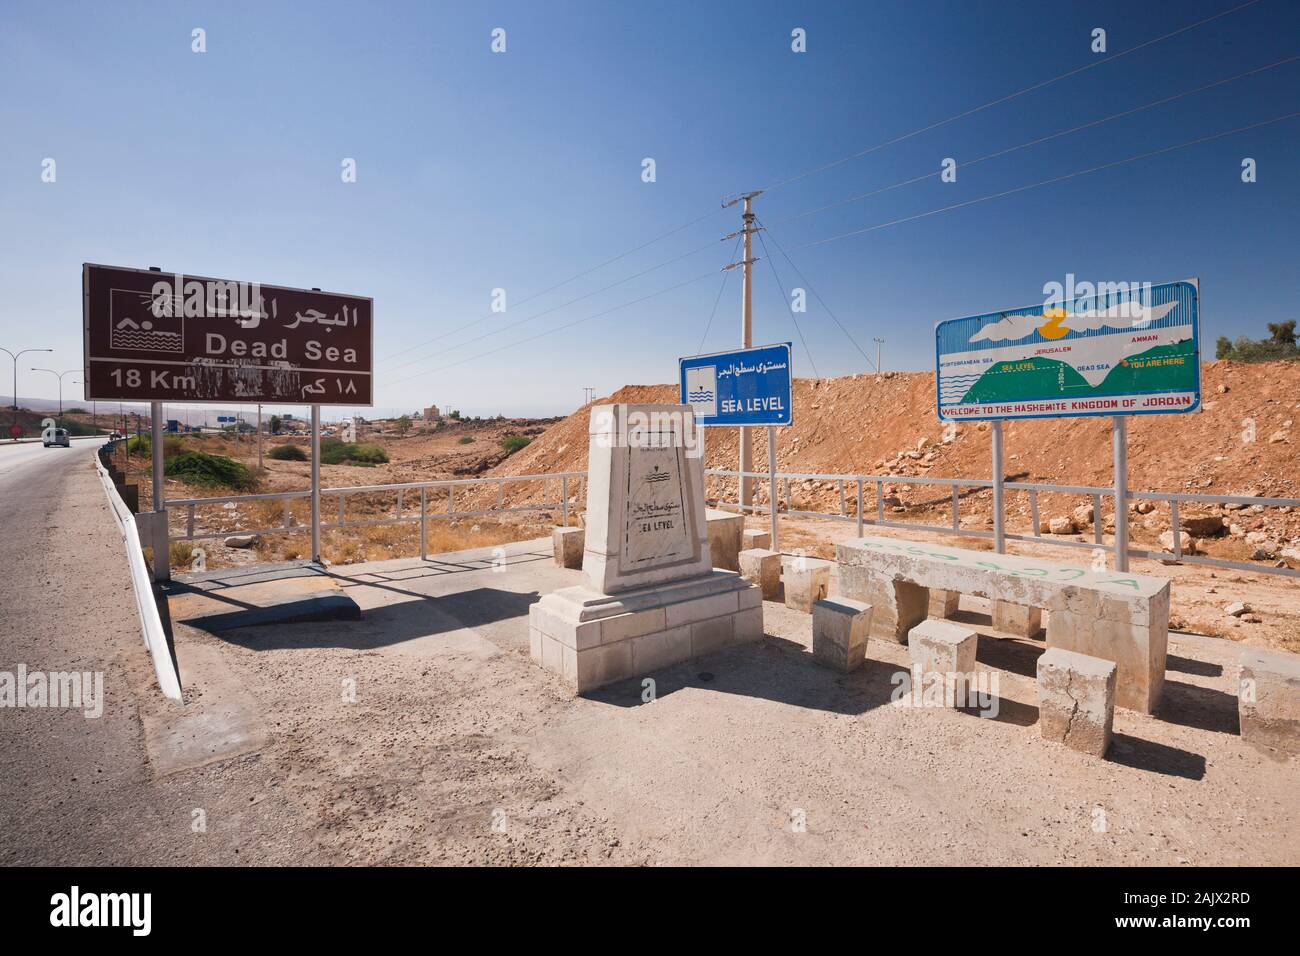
(746, 387)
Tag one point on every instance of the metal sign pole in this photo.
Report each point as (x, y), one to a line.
(162, 570)
(771, 471)
(156, 441)
(999, 529)
(315, 483)
(1119, 437)
(259, 437)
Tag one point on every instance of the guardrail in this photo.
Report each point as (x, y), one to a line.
(155, 638)
(419, 512)
(859, 515)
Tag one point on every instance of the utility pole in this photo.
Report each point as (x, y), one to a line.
(746, 330)
(14, 356)
(259, 437)
(879, 343)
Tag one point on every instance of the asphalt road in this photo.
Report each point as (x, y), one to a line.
(79, 789)
(17, 458)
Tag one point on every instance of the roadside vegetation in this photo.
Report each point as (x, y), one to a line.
(288, 453)
(513, 443)
(336, 452)
(210, 471)
(1280, 345)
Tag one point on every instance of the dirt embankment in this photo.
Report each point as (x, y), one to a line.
(1244, 441)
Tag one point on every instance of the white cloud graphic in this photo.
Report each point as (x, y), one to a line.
(1122, 315)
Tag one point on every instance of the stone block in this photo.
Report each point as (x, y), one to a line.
(943, 652)
(897, 606)
(568, 544)
(590, 638)
(1018, 619)
(840, 628)
(1268, 699)
(711, 635)
(725, 533)
(752, 538)
(805, 586)
(762, 567)
(1116, 615)
(1076, 700)
(943, 603)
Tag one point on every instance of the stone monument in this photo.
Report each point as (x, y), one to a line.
(650, 596)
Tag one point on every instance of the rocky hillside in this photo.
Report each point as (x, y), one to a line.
(1244, 441)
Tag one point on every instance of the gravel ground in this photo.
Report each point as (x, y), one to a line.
(424, 734)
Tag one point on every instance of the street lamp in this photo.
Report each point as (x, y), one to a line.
(14, 356)
(59, 376)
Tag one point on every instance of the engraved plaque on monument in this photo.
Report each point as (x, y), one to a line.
(652, 596)
(645, 497)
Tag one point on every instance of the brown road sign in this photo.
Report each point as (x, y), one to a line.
(163, 337)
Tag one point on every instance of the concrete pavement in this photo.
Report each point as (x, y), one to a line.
(77, 789)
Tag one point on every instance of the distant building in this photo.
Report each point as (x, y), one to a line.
(431, 414)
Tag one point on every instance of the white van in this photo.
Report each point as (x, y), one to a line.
(56, 436)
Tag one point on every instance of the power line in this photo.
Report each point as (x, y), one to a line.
(1043, 139)
(726, 273)
(572, 278)
(1055, 179)
(1011, 96)
(933, 212)
(559, 328)
(785, 299)
(562, 305)
(822, 301)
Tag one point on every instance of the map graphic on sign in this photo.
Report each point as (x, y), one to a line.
(1119, 353)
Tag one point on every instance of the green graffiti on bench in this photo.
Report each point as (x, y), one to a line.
(1075, 573)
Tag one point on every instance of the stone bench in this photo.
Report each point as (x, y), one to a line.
(805, 583)
(725, 533)
(763, 568)
(1113, 615)
(840, 628)
(1268, 701)
(568, 544)
(1076, 700)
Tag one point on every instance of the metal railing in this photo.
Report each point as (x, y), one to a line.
(151, 627)
(412, 505)
(859, 513)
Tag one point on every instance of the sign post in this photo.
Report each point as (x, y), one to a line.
(743, 388)
(158, 337)
(771, 477)
(999, 477)
(162, 570)
(315, 483)
(1119, 438)
(1113, 350)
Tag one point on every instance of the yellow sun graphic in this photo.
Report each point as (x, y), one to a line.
(1052, 328)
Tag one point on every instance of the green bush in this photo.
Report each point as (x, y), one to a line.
(288, 453)
(336, 452)
(211, 471)
(141, 446)
(464, 440)
(512, 443)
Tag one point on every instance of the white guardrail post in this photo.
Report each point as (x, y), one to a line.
(155, 639)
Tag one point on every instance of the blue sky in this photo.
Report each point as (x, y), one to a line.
(518, 170)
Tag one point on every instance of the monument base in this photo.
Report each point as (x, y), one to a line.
(591, 639)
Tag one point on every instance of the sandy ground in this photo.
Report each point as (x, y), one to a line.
(453, 730)
(424, 734)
